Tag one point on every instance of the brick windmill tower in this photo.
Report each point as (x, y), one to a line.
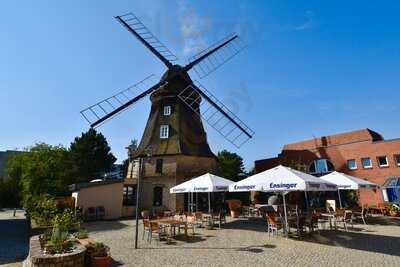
(174, 143)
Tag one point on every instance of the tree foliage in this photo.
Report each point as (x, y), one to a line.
(91, 155)
(45, 169)
(230, 165)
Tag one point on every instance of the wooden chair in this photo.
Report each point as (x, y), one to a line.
(363, 213)
(151, 229)
(273, 223)
(219, 217)
(199, 220)
(347, 219)
(191, 223)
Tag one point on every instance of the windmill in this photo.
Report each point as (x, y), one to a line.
(179, 104)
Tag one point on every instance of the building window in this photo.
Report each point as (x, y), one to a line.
(321, 166)
(164, 131)
(159, 165)
(157, 196)
(397, 159)
(167, 110)
(352, 164)
(366, 163)
(382, 161)
(129, 197)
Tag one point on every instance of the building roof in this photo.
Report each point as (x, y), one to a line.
(336, 139)
(79, 186)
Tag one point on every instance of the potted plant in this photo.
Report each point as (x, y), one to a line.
(98, 254)
(393, 211)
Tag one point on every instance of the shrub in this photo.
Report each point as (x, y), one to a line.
(42, 209)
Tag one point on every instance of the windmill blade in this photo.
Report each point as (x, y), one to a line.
(216, 114)
(98, 113)
(210, 59)
(143, 34)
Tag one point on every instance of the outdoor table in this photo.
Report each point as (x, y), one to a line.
(171, 224)
(331, 217)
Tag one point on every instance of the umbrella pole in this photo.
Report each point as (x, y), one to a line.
(209, 203)
(284, 209)
(306, 195)
(340, 200)
(197, 202)
(192, 201)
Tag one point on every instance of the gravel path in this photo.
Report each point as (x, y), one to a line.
(244, 243)
(13, 238)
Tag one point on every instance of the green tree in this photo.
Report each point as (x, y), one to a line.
(44, 169)
(91, 155)
(230, 165)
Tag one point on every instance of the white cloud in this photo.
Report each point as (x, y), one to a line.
(193, 28)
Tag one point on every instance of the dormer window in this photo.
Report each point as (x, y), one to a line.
(167, 110)
(164, 131)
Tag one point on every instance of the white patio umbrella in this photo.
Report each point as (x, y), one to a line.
(347, 182)
(282, 179)
(205, 183)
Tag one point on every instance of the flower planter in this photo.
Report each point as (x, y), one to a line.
(98, 261)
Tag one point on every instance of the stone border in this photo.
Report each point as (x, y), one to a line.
(37, 258)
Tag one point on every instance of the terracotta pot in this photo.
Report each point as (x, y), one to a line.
(235, 214)
(97, 261)
(394, 213)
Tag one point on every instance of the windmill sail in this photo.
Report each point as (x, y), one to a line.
(210, 59)
(143, 34)
(111, 106)
(216, 114)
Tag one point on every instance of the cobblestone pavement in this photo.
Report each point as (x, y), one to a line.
(13, 238)
(246, 243)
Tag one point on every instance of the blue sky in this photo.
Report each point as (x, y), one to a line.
(310, 68)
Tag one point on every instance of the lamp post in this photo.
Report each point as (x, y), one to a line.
(141, 172)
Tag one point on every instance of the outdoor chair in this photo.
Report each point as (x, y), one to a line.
(311, 221)
(363, 213)
(219, 217)
(191, 223)
(274, 224)
(199, 220)
(90, 214)
(100, 213)
(151, 230)
(347, 219)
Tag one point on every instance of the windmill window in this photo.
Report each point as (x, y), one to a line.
(167, 110)
(366, 163)
(157, 196)
(159, 166)
(164, 131)
(382, 161)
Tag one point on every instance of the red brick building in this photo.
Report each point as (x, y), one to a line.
(362, 153)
